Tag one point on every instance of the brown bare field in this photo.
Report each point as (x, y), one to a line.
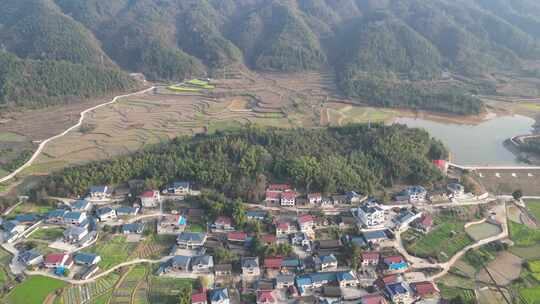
(267, 99)
(504, 269)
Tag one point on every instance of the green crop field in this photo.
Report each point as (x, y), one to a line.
(448, 293)
(166, 290)
(183, 89)
(35, 289)
(445, 240)
(112, 251)
(530, 295)
(195, 228)
(534, 208)
(48, 234)
(522, 235)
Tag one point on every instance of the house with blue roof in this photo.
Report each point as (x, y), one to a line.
(179, 188)
(105, 214)
(27, 218)
(56, 216)
(347, 279)
(375, 236)
(191, 240)
(127, 211)
(399, 292)
(326, 262)
(219, 296)
(74, 217)
(82, 205)
(30, 257)
(395, 263)
(87, 259)
(75, 234)
(133, 228)
(99, 192)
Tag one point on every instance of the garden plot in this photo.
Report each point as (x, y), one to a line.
(82, 293)
(113, 251)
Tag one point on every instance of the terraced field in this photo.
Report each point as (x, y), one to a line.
(124, 292)
(87, 293)
(279, 100)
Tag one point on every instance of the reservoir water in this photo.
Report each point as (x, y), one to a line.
(480, 144)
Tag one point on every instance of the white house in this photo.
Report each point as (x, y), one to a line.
(455, 190)
(250, 266)
(179, 188)
(288, 198)
(75, 234)
(306, 223)
(314, 198)
(370, 214)
(74, 217)
(150, 199)
(105, 214)
(99, 192)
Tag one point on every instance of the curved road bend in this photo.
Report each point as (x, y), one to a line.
(419, 263)
(78, 124)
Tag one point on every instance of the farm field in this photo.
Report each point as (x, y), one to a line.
(534, 208)
(482, 231)
(80, 293)
(530, 295)
(166, 290)
(505, 268)
(522, 235)
(48, 234)
(30, 208)
(445, 240)
(113, 251)
(466, 295)
(34, 290)
(265, 99)
(123, 292)
(526, 252)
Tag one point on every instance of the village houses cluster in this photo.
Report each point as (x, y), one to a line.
(323, 233)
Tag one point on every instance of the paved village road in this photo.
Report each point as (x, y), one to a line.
(419, 263)
(100, 275)
(78, 124)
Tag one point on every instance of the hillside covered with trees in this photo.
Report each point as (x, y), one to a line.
(394, 53)
(241, 163)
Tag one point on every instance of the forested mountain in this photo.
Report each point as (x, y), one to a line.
(384, 52)
(241, 163)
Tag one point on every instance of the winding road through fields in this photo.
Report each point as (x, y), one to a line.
(42, 145)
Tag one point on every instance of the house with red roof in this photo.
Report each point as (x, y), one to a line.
(425, 290)
(223, 223)
(273, 263)
(373, 299)
(441, 164)
(55, 260)
(370, 258)
(265, 297)
(314, 198)
(424, 223)
(279, 187)
(268, 239)
(236, 237)
(284, 228)
(150, 199)
(199, 298)
(306, 223)
(288, 198)
(272, 197)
